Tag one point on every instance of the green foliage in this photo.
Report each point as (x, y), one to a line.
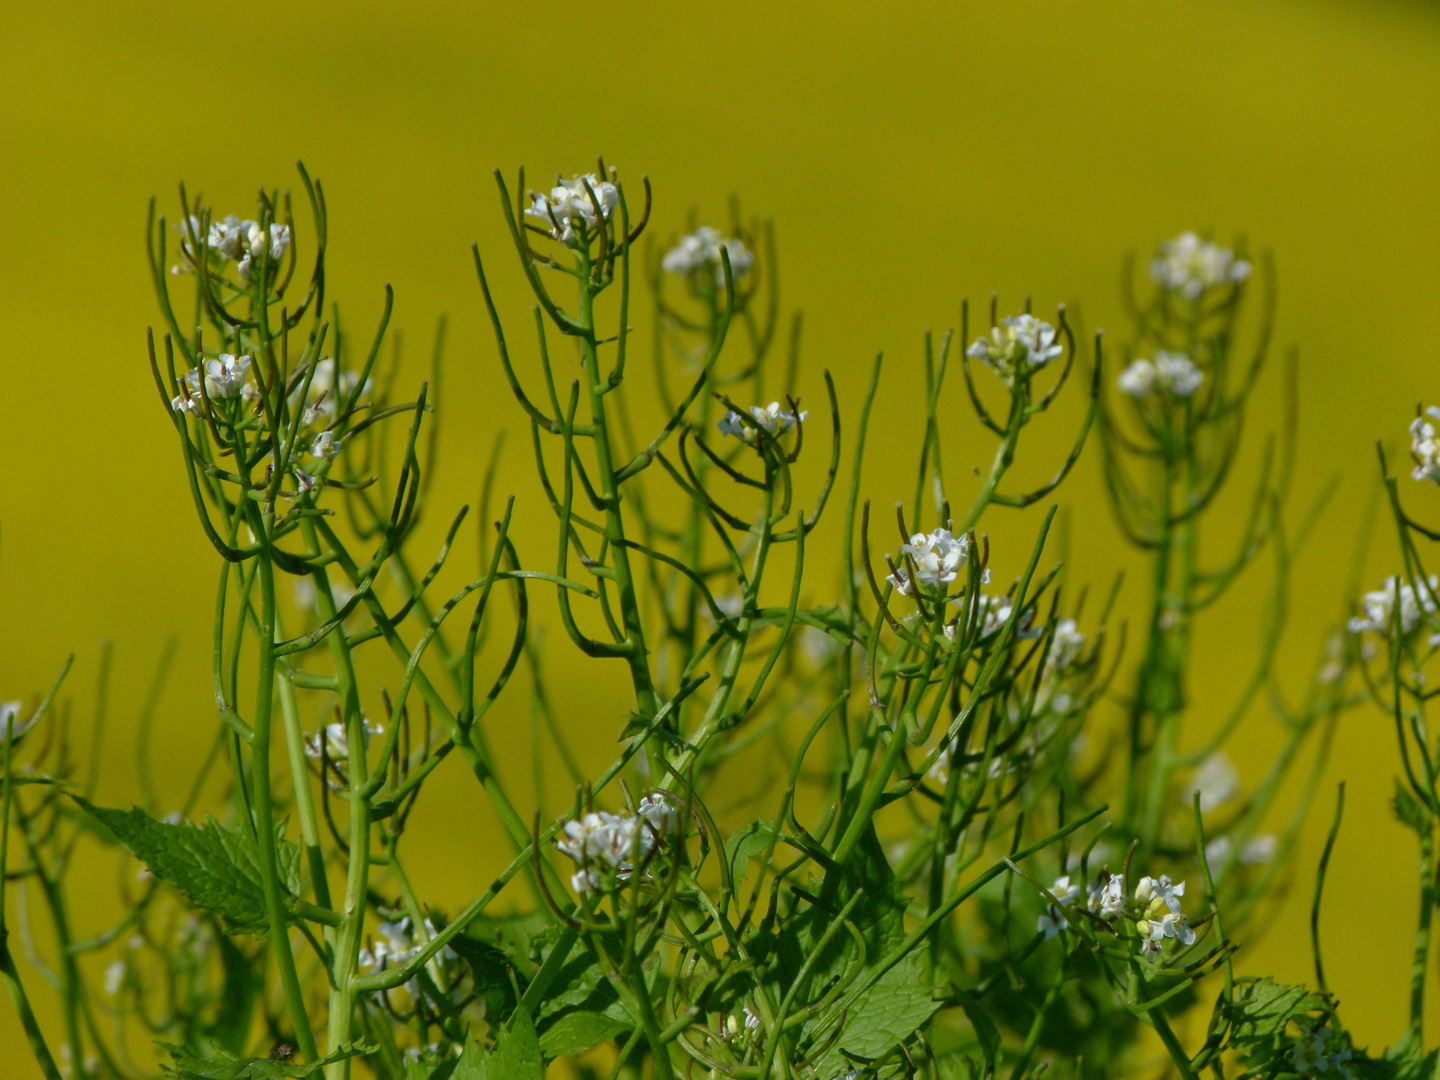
(213, 867)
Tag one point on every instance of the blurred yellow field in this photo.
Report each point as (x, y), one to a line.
(909, 156)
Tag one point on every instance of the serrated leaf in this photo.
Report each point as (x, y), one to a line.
(1262, 1007)
(516, 1055)
(885, 1015)
(745, 843)
(579, 1030)
(490, 970)
(189, 1067)
(213, 867)
(1408, 809)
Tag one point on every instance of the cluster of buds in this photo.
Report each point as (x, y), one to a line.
(937, 559)
(233, 240)
(1155, 908)
(1378, 607)
(701, 250)
(1191, 266)
(574, 208)
(608, 847)
(227, 377)
(1173, 376)
(771, 418)
(1425, 445)
(1020, 346)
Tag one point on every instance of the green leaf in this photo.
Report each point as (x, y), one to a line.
(243, 985)
(189, 1067)
(885, 1015)
(579, 1030)
(516, 1055)
(1408, 809)
(986, 1032)
(214, 867)
(745, 843)
(1262, 1007)
(490, 969)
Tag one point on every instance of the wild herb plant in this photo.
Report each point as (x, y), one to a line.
(997, 846)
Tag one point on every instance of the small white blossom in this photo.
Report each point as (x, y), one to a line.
(324, 447)
(772, 418)
(255, 245)
(1066, 646)
(751, 1020)
(569, 204)
(938, 558)
(225, 377)
(1171, 925)
(1425, 446)
(1107, 900)
(1379, 607)
(1053, 920)
(656, 809)
(702, 249)
(1138, 379)
(1174, 375)
(114, 977)
(1162, 889)
(337, 741)
(1216, 781)
(1020, 344)
(227, 236)
(1190, 265)
(325, 394)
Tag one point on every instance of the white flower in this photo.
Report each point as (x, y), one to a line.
(226, 237)
(663, 818)
(1259, 850)
(1021, 343)
(1053, 920)
(1174, 375)
(304, 482)
(751, 1020)
(1216, 781)
(586, 881)
(337, 741)
(1379, 607)
(1162, 889)
(772, 418)
(114, 977)
(324, 446)
(1066, 646)
(569, 204)
(1108, 900)
(702, 249)
(1138, 379)
(1425, 446)
(1170, 925)
(253, 237)
(1190, 265)
(994, 613)
(938, 557)
(225, 377)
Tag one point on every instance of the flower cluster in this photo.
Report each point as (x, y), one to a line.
(1156, 911)
(1020, 345)
(701, 249)
(1425, 446)
(1053, 920)
(396, 944)
(937, 557)
(333, 743)
(772, 418)
(245, 241)
(1379, 607)
(1190, 265)
(226, 377)
(582, 202)
(322, 402)
(1173, 375)
(601, 840)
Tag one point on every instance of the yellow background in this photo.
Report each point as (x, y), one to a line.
(909, 153)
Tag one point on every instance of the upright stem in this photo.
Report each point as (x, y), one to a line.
(275, 909)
